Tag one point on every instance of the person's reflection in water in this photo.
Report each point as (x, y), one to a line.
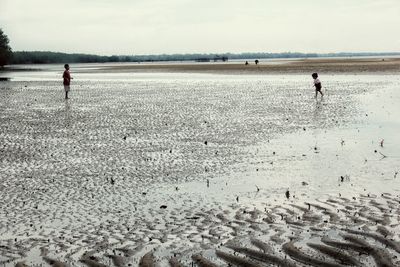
(319, 116)
(67, 113)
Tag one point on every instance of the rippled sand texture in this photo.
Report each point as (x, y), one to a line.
(96, 180)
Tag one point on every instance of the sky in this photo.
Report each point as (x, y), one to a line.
(136, 27)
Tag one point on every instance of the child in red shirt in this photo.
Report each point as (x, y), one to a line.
(67, 80)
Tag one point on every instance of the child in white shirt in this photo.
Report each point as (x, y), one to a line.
(317, 84)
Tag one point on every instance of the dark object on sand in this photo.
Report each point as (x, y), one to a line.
(344, 178)
(246, 63)
(147, 260)
(287, 194)
(256, 61)
(163, 206)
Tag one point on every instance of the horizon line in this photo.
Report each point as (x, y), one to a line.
(212, 53)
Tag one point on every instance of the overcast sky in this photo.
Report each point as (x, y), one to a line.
(206, 26)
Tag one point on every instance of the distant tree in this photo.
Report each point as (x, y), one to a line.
(5, 49)
(113, 59)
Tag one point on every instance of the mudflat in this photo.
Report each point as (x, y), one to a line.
(323, 65)
(161, 166)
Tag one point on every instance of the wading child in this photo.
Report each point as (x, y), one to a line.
(67, 80)
(317, 84)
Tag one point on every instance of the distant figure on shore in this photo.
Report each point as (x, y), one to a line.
(256, 61)
(246, 63)
(67, 80)
(317, 84)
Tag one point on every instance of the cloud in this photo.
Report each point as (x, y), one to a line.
(173, 26)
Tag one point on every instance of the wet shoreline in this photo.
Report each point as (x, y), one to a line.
(126, 172)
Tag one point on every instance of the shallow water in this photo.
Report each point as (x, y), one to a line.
(97, 168)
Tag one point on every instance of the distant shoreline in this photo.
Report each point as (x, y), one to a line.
(47, 57)
(367, 65)
(328, 65)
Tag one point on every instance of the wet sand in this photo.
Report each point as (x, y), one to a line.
(203, 170)
(267, 66)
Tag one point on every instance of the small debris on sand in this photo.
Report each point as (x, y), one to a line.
(147, 260)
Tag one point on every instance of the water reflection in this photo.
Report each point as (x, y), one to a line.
(318, 110)
(67, 113)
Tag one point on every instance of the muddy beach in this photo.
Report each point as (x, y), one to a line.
(180, 167)
(367, 65)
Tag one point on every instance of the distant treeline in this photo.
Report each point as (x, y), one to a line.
(41, 57)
